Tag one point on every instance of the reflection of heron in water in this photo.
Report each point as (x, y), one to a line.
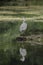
(23, 53)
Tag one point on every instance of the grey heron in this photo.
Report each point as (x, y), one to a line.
(23, 26)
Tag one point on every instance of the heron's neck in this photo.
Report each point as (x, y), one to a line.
(23, 21)
(22, 59)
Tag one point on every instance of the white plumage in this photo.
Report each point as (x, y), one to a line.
(23, 26)
(23, 53)
(22, 59)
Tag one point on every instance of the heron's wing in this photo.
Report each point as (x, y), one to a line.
(23, 52)
(23, 26)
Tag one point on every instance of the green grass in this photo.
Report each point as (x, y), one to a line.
(7, 35)
(20, 15)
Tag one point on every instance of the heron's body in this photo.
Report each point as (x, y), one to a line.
(23, 53)
(23, 26)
